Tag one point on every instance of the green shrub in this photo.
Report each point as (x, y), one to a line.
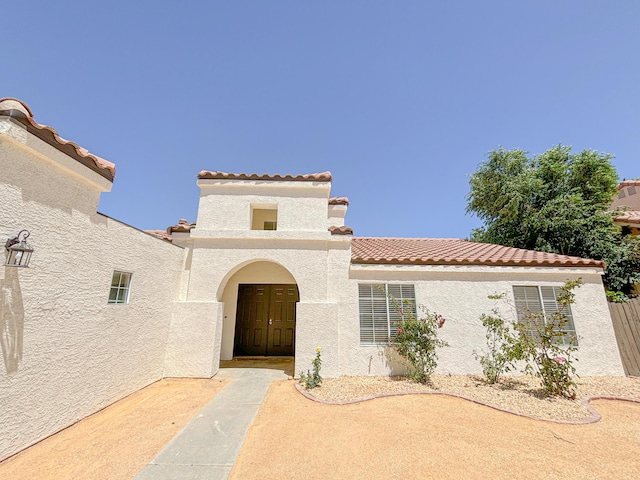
(416, 342)
(312, 380)
(535, 340)
(503, 348)
(546, 358)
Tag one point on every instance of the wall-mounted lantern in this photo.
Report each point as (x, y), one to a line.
(19, 252)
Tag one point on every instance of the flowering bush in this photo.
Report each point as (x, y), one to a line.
(535, 341)
(547, 359)
(502, 345)
(312, 380)
(416, 342)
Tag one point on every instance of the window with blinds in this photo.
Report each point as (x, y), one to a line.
(379, 310)
(532, 301)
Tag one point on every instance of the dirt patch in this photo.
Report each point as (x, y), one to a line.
(521, 394)
(119, 441)
(431, 436)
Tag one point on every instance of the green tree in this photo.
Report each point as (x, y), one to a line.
(554, 202)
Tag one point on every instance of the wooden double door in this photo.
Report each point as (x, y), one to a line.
(266, 320)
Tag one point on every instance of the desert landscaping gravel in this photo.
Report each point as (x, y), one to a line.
(520, 394)
(295, 438)
(431, 437)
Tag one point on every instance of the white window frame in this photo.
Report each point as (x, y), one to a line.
(377, 313)
(120, 290)
(544, 301)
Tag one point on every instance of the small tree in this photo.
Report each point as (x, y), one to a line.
(554, 202)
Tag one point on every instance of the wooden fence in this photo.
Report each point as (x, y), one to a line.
(626, 323)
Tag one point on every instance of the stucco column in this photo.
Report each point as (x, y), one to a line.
(317, 326)
(193, 346)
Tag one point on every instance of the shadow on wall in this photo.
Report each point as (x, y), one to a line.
(394, 362)
(11, 319)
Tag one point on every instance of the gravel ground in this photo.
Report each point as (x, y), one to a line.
(431, 436)
(520, 394)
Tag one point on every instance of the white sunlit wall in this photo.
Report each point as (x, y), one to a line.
(67, 351)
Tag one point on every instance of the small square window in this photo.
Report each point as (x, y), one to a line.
(264, 217)
(120, 287)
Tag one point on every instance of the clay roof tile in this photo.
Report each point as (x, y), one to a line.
(454, 251)
(161, 234)
(341, 230)
(182, 227)
(339, 201)
(628, 183)
(311, 177)
(20, 111)
(628, 216)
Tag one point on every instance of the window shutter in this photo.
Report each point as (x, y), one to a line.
(549, 298)
(366, 314)
(528, 308)
(380, 322)
(379, 314)
(531, 301)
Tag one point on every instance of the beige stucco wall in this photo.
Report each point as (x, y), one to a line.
(225, 205)
(66, 352)
(631, 198)
(225, 252)
(218, 266)
(460, 294)
(336, 215)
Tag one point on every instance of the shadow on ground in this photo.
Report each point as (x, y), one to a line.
(286, 364)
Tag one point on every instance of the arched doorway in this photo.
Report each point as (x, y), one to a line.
(260, 300)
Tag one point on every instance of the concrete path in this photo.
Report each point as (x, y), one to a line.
(208, 445)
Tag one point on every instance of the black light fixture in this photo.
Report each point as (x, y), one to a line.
(19, 251)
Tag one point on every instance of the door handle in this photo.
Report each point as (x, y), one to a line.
(270, 322)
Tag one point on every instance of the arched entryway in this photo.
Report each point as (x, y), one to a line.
(260, 300)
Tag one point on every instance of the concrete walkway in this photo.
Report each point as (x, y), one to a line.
(209, 444)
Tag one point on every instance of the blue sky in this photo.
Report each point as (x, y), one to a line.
(399, 100)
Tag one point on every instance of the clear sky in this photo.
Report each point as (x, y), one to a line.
(400, 100)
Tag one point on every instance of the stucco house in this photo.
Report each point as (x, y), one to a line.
(268, 267)
(626, 204)
(628, 198)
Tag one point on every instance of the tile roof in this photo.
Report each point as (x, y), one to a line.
(628, 183)
(454, 251)
(311, 177)
(182, 227)
(20, 111)
(161, 234)
(339, 201)
(628, 216)
(341, 230)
